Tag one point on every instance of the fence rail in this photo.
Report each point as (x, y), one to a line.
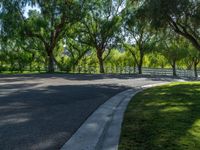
(123, 70)
(132, 70)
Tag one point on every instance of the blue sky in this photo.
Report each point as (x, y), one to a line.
(30, 8)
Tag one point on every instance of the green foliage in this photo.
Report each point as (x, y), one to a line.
(139, 34)
(48, 25)
(181, 16)
(174, 51)
(74, 33)
(101, 26)
(156, 60)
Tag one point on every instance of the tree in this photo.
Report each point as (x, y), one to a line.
(47, 25)
(118, 60)
(141, 36)
(100, 27)
(194, 56)
(174, 50)
(3, 60)
(155, 59)
(75, 52)
(182, 16)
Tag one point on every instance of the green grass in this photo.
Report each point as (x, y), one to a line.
(31, 72)
(163, 118)
(24, 72)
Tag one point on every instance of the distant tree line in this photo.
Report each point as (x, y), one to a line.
(64, 34)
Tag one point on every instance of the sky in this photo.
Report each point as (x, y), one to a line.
(27, 8)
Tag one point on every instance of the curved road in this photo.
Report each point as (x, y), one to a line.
(41, 112)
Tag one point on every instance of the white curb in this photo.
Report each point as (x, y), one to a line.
(101, 131)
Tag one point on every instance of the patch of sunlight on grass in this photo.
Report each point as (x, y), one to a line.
(163, 118)
(191, 140)
(156, 104)
(169, 103)
(195, 130)
(162, 93)
(174, 109)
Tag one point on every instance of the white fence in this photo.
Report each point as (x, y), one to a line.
(132, 70)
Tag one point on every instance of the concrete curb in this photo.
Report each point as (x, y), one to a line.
(101, 131)
(112, 136)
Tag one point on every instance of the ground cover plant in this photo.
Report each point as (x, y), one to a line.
(165, 117)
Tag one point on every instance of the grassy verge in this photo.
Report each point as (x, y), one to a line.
(163, 118)
(24, 72)
(33, 72)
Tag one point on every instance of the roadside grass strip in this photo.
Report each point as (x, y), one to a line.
(163, 118)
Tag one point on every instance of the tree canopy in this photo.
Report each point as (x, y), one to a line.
(183, 16)
(67, 35)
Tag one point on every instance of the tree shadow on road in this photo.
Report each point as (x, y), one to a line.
(45, 117)
(14, 78)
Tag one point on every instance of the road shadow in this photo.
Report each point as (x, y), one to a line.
(89, 77)
(45, 118)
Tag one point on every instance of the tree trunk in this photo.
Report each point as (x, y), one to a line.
(30, 66)
(140, 69)
(1, 67)
(162, 65)
(134, 68)
(195, 70)
(140, 62)
(181, 30)
(38, 68)
(174, 68)
(101, 64)
(50, 62)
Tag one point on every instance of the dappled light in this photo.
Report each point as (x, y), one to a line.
(100, 37)
(14, 119)
(45, 112)
(49, 142)
(158, 115)
(61, 59)
(174, 109)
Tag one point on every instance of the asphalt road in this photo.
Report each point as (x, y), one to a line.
(41, 112)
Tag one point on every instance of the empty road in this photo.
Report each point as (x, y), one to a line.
(41, 112)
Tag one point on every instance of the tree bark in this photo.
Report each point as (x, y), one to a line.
(140, 61)
(140, 69)
(174, 68)
(195, 70)
(50, 62)
(181, 30)
(1, 67)
(101, 64)
(134, 65)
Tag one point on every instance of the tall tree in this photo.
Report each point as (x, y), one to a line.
(47, 25)
(100, 27)
(141, 36)
(194, 56)
(174, 50)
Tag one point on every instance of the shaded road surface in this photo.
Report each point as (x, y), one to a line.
(41, 112)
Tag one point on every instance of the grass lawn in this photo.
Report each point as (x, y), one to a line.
(24, 72)
(163, 118)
